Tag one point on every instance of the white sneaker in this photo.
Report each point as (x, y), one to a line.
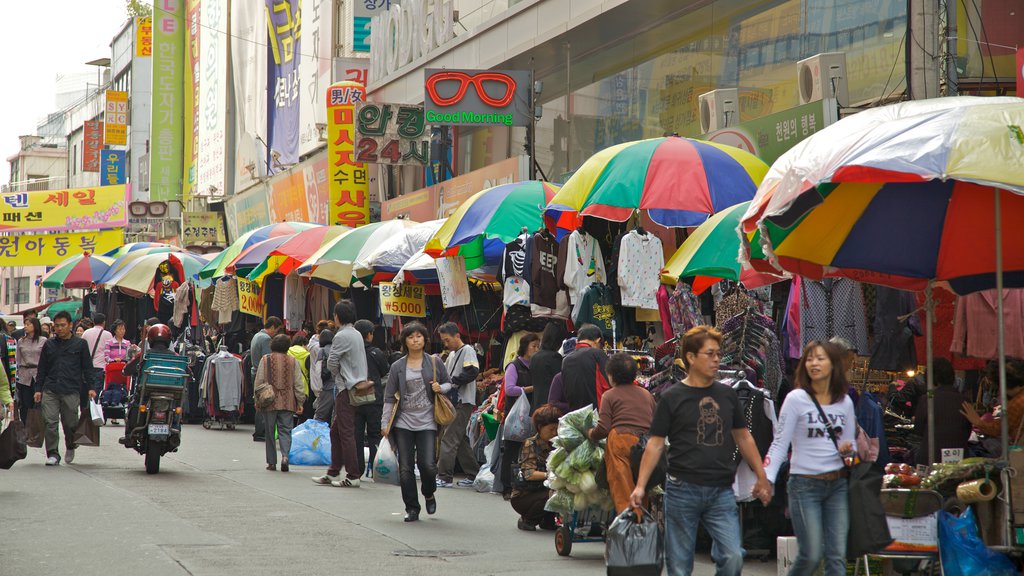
(346, 483)
(53, 461)
(69, 455)
(325, 480)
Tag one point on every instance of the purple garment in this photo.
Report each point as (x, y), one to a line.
(512, 388)
(556, 396)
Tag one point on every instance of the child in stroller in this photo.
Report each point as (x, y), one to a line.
(114, 397)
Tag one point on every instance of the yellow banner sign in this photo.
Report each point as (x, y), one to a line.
(144, 36)
(60, 210)
(403, 300)
(116, 118)
(202, 227)
(348, 181)
(52, 249)
(250, 298)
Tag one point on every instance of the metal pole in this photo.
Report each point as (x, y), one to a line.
(929, 310)
(568, 110)
(1001, 329)
(531, 130)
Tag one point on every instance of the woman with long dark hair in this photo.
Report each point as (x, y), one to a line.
(26, 356)
(819, 422)
(408, 417)
(518, 382)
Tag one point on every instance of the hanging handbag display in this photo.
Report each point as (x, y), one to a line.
(444, 412)
(869, 529)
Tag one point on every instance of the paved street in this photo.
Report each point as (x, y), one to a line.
(214, 510)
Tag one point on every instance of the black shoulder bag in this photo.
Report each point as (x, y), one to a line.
(869, 530)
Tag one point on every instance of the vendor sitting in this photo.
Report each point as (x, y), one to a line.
(528, 491)
(1014, 406)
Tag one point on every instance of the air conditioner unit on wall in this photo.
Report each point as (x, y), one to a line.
(820, 74)
(718, 109)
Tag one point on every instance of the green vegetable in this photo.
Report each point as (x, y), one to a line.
(557, 456)
(586, 456)
(587, 482)
(560, 502)
(580, 502)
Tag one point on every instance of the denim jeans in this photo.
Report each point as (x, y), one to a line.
(685, 505)
(416, 449)
(821, 521)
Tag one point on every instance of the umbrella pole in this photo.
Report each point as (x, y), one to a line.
(929, 311)
(1000, 330)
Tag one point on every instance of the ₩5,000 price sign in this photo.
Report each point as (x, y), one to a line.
(402, 300)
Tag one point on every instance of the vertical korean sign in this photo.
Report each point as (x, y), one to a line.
(284, 28)
(115, 119)
(212, 105)
(144, 36)
(165, 166)
(190, 100)
(112, 169)
(349, 184)
(93, 145)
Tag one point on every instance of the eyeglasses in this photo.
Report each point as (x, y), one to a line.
(495, 81)
(711, 353)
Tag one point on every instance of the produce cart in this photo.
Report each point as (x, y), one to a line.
(586, 525)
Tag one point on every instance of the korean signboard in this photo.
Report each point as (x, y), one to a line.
(165, 162)
(391, 134)
(348, 179)
(478, 97)
(115, 118)
(440, 200)
(190, 101)
(771, 136)
(402, 300)
(112, 167)
(202, 227)
(288, 197)
(51, 249)
(211, 106)
(76, 209)
(247, 211)
(315, 68)
(93, 144)
(363, 11)
(250, 298)
(144, 36)
(284, 28)
(407, 31)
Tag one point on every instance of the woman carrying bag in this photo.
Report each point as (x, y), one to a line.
(517, 384)
(30, 346)
(818, 481)
(280, 392)
(416, 382)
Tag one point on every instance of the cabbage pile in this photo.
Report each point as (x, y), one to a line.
(573, 464)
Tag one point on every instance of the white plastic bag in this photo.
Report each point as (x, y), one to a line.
(385, 465)
(484, 481)
(518, 424)
(96, 412)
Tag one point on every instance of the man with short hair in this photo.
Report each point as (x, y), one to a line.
(96, 339)
(368, 416)
(583, 377)
(463, 368)
(62, 378)
(258, 348)
(704, 423)
(347, 363)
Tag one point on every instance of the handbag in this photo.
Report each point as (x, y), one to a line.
(869, 529)
(444, 412)
(263, 396)
(36, 428)
(361, 398)
(86, 433)
(12, 444)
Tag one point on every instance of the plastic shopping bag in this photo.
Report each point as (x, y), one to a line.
(96, 413)
(311, 444)
(518, 424)
(385, 465)
(484, 481)
(633, 546)
(963, 552)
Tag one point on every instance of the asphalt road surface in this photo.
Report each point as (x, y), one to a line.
(214, 510)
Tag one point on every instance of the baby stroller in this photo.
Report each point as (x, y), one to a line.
(114, 397)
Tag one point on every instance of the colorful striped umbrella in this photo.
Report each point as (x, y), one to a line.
(678, 181)
(79, 271)
(137, 276)
(900, 196)
(497, 214)
(132, 255)
(334, 264)
(216, 267)
(133, 246)
(711, 254)
(248, 259)
(291, 254)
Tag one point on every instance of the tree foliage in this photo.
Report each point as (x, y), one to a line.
(138, 8)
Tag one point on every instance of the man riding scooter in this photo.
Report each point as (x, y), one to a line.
(157, 357)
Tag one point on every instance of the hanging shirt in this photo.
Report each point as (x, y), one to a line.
(596, 307)
(584, 264)
(683, 309)
(543, 259)
(833, 307)
(641, 259)
(294, 301)
(516, 289)
(974, 326)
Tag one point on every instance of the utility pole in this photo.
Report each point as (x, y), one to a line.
(923, 49)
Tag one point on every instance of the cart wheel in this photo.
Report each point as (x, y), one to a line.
(563, 541)
(231, 426)
(206, 424)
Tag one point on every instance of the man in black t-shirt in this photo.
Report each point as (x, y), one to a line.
(704, 423)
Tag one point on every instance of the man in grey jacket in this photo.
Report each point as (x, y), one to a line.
(347, 363)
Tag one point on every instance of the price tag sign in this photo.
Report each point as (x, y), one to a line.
(952, 455)
(402, 300)
(250, 298)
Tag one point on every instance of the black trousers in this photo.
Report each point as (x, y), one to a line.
(367, 431)
(530, 505)
(417, 448)
(26, 401)
(509, 454)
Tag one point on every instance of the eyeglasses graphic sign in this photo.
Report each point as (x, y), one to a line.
(477, 97)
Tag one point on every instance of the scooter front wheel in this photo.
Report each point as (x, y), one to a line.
(152, 461)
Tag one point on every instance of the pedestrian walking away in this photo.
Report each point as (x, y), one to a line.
(408, 421)
(96, 338)
(61, 380)
(324, 405)
(368, 416)
(463, 367)
(258, 348)
(280, 372)
(704, 424)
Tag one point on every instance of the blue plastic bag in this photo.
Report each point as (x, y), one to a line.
(963, 552)
(311, 444)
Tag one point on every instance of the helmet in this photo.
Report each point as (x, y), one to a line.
(159, 333)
